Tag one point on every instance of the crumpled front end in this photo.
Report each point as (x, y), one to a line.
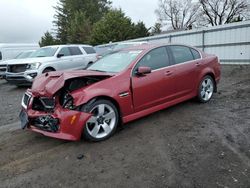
(48, 117)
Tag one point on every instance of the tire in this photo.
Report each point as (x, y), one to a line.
(206, 89)
(103, 123)
(48, 70)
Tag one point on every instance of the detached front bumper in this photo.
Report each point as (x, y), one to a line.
(61, 123)
(24, 78)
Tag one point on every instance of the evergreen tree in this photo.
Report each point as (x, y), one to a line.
(67, 11)
(79, 28)
(61, 21)
(114, 26)
(47, 39)
(141, 30)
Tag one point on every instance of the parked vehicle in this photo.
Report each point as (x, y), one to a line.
(10, 51)
(120, 87)
(50, 58)
(106, 49)
(3, 64)
(123, 45)
(103, 50)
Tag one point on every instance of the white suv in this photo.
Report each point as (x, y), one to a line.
(50, 58)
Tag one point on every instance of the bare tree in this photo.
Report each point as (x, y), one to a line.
(180, 14)
(218, 12)
(156, 29)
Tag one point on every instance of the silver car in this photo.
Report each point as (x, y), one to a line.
(50, 58)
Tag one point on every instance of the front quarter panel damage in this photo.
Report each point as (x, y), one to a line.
(71, 123)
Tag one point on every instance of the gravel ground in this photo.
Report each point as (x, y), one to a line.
(188, 145)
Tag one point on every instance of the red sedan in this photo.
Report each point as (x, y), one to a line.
(120, 87)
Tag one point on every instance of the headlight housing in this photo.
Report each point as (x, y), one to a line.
(68, 102)
(33, 66)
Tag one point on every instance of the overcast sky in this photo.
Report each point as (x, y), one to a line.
(25, 21)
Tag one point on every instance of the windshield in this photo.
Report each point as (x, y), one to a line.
(115, 62)
(23, 55)
(45, 52)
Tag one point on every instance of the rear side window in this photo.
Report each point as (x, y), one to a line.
(89, 50)
(155, 59)
(1, 57)
(195, 53)
(65, 51)
(181, 54)
(75, 51)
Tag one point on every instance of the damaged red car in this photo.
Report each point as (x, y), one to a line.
(120, 87)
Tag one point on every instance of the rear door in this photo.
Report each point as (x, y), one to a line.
(65, 61)
(150, 90)
(91, 55)
(78, 58)
(187, 65)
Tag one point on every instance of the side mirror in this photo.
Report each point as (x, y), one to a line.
(60, 55)
(143, 70)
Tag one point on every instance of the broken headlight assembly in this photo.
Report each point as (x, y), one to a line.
(68, 102)
(43, 104)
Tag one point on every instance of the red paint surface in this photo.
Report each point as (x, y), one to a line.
(146, 94)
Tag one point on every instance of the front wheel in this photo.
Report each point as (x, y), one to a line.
(206, 89)
(103, 122)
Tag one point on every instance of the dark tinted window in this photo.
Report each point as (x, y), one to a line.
(1, 56)
(195, 53)
(89, 50)
(181, 54)
(75, 51)
(65, 51)
(155, 59)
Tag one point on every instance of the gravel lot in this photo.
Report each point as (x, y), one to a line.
(188, 145)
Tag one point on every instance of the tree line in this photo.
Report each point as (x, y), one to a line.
(96, 22)
(93, 22)
(188, 14)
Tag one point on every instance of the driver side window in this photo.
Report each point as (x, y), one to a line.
(155, 59)
(65, 51)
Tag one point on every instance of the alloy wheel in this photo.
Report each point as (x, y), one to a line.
(207, 89)
(102, 122)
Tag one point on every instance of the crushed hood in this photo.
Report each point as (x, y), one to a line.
(49, 83)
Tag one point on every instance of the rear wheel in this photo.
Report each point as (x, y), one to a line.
(206, 89)
(103, 122)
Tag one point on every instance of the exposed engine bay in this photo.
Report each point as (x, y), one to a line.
(63, 96)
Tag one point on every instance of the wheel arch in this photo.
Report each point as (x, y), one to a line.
(208, 72)
(104, 97)
(49, 67)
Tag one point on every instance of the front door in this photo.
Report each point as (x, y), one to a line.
(150, 90)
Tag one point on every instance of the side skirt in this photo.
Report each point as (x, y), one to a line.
(148, 111)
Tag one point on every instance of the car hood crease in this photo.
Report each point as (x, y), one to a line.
(48, 84)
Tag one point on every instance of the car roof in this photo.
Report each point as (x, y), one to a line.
(152, 46)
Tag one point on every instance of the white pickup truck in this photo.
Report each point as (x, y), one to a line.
(50, 58)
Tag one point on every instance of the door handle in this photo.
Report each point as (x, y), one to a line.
(197, 64)
(168, 73)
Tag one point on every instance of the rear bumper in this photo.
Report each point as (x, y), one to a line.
(25, 78)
